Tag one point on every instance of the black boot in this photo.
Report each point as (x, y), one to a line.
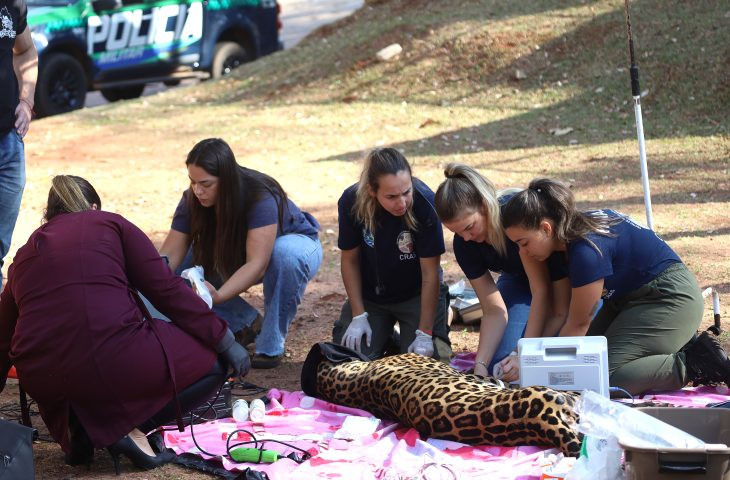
(707, 362)
(82, 450)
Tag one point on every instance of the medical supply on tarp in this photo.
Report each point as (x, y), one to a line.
(555, 467)
(240, 410)
(195, 276)
(355, 427)
(564, 363)
(254, 455)
(257, 410)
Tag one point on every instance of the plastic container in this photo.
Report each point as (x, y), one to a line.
(712, 462)
(240, 410)
(257, 410)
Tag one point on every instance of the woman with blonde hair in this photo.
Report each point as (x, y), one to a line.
(102, 370)
(391, 242)
(513, 307)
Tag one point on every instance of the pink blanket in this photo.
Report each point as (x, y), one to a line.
(367, 448)
(388, 452)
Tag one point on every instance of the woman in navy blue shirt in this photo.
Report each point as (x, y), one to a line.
(242, 228)
(469, 206)
(391, 242)
(652, 304)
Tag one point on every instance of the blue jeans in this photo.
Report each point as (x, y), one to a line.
(294, 262)
(517, 297)
(12, 183)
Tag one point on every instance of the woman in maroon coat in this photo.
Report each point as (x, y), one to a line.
(71, 323)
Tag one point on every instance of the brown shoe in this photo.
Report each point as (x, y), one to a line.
(248, 334)
(263, 361)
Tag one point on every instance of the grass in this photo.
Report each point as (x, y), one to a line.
(306, 116)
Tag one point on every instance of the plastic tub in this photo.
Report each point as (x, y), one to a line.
(712, 425)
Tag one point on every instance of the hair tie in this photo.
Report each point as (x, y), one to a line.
(538, 190)
(452, 175)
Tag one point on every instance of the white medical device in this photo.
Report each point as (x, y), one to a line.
(564, 363)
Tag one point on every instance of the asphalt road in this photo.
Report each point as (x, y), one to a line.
(298, 17)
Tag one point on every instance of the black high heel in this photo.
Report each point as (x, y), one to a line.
(139, 458)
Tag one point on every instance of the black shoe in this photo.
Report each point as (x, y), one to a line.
(707, 362)
(248, 334)
(263, 361)
(139, 458)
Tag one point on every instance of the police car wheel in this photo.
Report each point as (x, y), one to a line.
(227, 56)
(122, 93)
(61, 85)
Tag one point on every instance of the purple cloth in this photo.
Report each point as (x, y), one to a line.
(70, 323)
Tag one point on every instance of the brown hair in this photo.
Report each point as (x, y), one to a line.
(553, 200)
(379, 162)
(69, 194)
(219, 233)
(464, 190)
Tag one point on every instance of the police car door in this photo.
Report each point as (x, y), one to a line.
(143, 37)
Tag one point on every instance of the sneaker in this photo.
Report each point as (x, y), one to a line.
(707, 362)
(263, 361)
(248, 334)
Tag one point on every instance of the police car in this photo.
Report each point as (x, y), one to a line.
(118, 46)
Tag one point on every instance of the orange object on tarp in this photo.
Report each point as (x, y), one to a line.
(12, 373)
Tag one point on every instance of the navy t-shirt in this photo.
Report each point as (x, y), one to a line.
(631, 257)
(476, 258)
(390, 265)
(262, 213)
(12, 23)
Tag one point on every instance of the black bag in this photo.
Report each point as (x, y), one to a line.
(16, 451)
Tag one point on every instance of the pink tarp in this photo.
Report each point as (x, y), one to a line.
(375, 449)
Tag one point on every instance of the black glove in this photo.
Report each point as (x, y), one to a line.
(235, 354)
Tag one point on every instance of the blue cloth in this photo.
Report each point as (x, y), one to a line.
(517, 297)
(631, 256)
(390, 266)
(262, 213)
(294, 261)
(12, 183)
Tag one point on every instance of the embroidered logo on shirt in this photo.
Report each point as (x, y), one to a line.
(405, 242)
(368, 238)
(7, 30)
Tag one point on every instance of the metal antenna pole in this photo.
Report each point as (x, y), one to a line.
(636, 93)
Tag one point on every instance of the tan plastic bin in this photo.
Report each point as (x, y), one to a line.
(711, 425)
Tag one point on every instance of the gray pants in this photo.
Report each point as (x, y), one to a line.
(383, 317)
(647, 327)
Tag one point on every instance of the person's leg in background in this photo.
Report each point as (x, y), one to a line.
(12, 183)
(516, 295)
(408, 314)
(294, 262)
(652, 324)
(381, 322)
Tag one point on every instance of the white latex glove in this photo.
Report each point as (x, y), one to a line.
(422, 344)
(508, 369)
(359, 326)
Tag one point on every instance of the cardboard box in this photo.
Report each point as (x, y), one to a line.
(711, 425)
(466, 307)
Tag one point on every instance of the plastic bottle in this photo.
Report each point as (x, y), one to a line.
(240, 410)
(257, 410)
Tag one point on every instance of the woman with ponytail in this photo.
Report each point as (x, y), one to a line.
(391, 242)
(513, 307)
(652, 304)
(102, 371)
